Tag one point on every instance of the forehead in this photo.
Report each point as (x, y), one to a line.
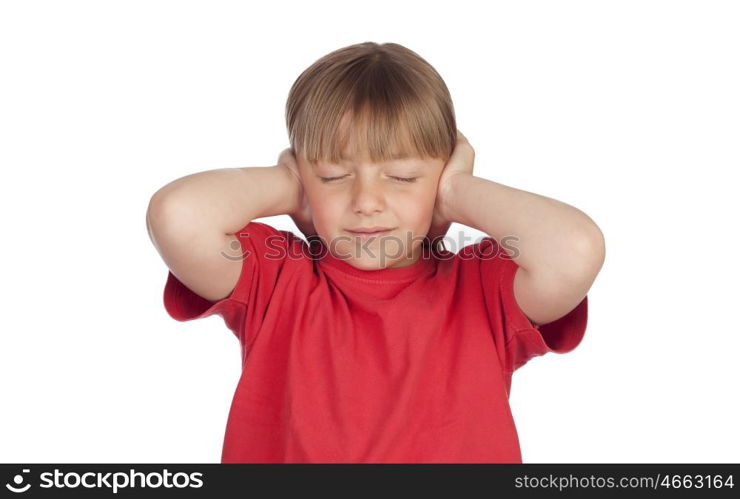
(414, 166)
(363, 160)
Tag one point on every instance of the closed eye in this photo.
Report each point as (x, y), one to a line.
(331, 179)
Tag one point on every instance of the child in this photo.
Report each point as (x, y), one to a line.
(384, 347)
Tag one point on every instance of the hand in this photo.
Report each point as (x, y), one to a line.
(460, 163)
(301, 215)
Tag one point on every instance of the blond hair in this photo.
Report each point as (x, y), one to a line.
(379, 99)
(382, 100)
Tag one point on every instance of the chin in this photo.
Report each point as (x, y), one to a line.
(367, 263)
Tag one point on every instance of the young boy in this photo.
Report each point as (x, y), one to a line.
(372, 343)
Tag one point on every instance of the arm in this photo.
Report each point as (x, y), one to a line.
(192, 220)
(228, 198)
(550, 236)
(558, 248)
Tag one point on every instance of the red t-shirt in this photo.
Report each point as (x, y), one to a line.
(398, 365)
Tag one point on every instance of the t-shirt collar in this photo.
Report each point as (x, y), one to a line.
(424, 265)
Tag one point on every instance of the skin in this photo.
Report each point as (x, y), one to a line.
(559, 249)
(367, 194)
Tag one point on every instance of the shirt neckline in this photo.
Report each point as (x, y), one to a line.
(424, 265)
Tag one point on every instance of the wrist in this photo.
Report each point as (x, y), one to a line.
(290, 191)
(448, 196)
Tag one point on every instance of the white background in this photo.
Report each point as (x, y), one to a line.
(627, 110)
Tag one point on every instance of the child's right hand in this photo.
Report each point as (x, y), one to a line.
(301, 215)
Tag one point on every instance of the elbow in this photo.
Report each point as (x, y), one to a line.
(592, 251)
(162, 213)
(158, 205)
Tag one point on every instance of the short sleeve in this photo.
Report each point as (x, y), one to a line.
(264, 250)
(517, 339)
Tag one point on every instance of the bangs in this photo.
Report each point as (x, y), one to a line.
(375, 133)
(371, 137)
(370, 102)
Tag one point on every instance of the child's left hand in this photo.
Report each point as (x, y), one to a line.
(460, 163)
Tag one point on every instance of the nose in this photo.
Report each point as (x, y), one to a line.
(367, 197)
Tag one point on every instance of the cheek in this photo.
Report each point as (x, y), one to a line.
(325, 207)
(413, 209)
(416, 209)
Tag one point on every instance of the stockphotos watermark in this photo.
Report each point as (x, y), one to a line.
(112, 481)
(388, 248)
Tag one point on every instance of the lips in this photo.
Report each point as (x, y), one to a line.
(370, 230)
(370, 233)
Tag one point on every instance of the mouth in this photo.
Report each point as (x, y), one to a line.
(370, 233)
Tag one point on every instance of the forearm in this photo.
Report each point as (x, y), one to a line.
(541, 234)
(229, 198)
